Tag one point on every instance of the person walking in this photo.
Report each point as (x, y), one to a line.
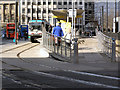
(58, 33)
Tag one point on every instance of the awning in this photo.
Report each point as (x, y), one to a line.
(62, 14)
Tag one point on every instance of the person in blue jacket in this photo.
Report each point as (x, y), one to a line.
(57, 32)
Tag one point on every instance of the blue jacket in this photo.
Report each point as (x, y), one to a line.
(58, 31)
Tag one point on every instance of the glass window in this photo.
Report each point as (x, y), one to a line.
(44, 3)
(12, 16)
(65, 3)
(28, 3)
(6, 7)
(33, 10)
(44, 11)
(28, 19)
(75, 3)
(39, 10)
(49, 3)
(12, 7)
(28, 11)
(23, 3)
(54, 3)
(59, 3)
(23, 10)
(80, 3)
(49, 11)
(39, 3)
(70, 3)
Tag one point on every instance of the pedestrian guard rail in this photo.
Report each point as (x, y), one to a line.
(64, 49)
(106, 45)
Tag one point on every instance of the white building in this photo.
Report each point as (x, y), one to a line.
(41, 9)
(117, 25)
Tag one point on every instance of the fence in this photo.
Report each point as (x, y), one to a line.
(106, 45)
(64, 47)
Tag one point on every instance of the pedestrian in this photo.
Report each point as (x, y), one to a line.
(58, 33)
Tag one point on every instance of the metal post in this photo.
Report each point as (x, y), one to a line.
(107, 17)
(16, 22)
(113, 50)
(102, 18)
(72, 16)
(65, 49)
(115, 17)
(19, 12)
(75, 51)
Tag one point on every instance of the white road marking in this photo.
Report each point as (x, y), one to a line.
(75, 80)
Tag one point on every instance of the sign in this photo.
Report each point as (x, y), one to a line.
(72, 13)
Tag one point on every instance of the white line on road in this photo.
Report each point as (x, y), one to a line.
(78, 81)
(85, 73)
(96, 75)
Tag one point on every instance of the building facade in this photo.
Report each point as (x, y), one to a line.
(119, 8)
(7, 11)
(41, 9)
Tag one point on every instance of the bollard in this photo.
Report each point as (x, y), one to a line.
(113, 50)
(75, 57)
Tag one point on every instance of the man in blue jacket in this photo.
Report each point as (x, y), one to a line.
(57, 32)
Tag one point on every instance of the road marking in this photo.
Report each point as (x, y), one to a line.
(75, 80)
(97, 75)
(85, 73)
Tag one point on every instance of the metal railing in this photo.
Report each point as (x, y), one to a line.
(63, 49)
(106, 45)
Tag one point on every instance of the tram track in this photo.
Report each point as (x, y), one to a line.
(58, 76)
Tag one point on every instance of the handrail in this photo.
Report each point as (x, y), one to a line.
(107, 45)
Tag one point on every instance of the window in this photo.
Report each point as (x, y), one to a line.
(49, 3)
(28, 11)
(0, 7)
(23, 3)
(54, 3)
(44, 3)
(39, 11)
(33, 10)
(44, 11)
(39, 3)
(75, 3)
(59, 3)
(28, 19)
(12, 7)
(80, 3)
(90, 12)
(65, 3)
(23, 10)
(49, 11)
(70, 3)
(6, 7)
(28, 3)
(12, 16)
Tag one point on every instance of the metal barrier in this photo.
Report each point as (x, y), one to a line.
(106, 45)
(64, 47)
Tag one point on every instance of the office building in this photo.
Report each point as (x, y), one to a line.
(41, 9)
(7, 11)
